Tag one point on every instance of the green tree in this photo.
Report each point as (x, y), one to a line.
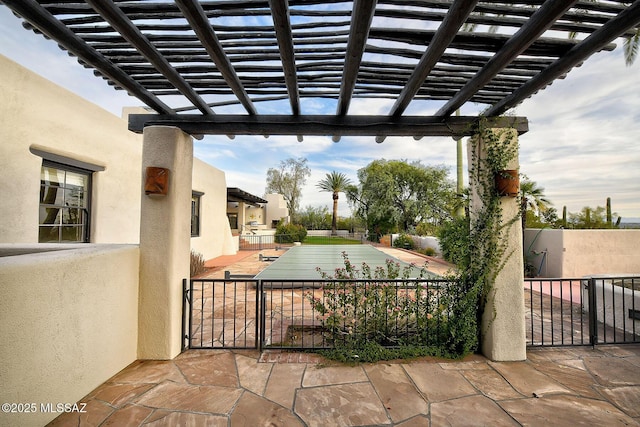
(394, 195)
(590, 218)
(288, 180)
(547, 219)
(315, 218)
(334, 183)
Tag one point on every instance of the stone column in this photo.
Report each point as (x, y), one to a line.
(503, 323)
(165, 224)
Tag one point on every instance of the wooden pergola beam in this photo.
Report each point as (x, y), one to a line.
(325, 125)
(51, 27)
(121, 23)
(614, 28)
(539, 22)
(284, 35)
(363, 11)
(194, 13)
(447, 31)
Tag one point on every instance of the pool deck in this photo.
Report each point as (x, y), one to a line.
(554, 386)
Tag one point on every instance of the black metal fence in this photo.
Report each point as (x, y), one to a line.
(243, 313)
(585, 311)
(308, 314)
(220, 314)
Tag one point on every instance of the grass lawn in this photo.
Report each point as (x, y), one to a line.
(329, 240)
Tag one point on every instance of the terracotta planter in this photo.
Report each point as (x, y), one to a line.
(507, 183)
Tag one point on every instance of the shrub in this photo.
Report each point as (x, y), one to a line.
(426, 229)
(454, 241)
(197, 264)
(378, 308)
(289, 233)
(382, 314)
(427, 251)
(404, 241)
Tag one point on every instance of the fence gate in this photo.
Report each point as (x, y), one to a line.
(585, 311)
(220, 314)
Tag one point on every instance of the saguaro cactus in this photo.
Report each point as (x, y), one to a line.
(609, 219)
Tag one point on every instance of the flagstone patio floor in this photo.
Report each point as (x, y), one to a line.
(554, 387)
(568, 386)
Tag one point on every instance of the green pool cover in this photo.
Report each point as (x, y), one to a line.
(301, 262)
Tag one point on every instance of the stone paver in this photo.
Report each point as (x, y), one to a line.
(189, 398)
(527, 380)
(170, 419)
(253, 411)
(613, 371)
(626, 398)
(218, 369)
(491, 384)
(470, 411)
(438, 384)
(564, 410)
(318, 376)
(398, 394)
(341, 405)
(285, 379)
(127, 416)
(253, 375)
(571, 374)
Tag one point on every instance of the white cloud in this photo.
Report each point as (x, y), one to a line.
(582, 146)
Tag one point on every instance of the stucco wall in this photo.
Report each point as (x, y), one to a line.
(577, 253)
(68, 322)
(276, 209)
(38, 114)
(544, 251)
(215, 233)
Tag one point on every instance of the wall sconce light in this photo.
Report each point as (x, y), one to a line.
(156, 181)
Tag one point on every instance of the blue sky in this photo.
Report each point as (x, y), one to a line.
(582, 147)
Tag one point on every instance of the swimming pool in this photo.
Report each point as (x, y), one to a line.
(301, 262)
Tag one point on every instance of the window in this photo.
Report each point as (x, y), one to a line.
(65, 200)
(195, 213)
(233, 220)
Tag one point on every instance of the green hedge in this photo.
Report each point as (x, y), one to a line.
(289, 233)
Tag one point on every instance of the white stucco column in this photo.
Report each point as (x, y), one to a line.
(164, 243)
(503, 322)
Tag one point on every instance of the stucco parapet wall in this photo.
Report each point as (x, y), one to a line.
(17, 254)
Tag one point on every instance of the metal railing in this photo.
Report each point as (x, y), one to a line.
(582, 311)
(220, 314)
(311, 314)
(243, 313)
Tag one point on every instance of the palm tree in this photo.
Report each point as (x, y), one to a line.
(334, 183)
(531, 198)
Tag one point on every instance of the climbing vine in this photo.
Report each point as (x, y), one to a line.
(487, 251)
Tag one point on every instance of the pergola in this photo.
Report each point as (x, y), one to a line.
(185, 59)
